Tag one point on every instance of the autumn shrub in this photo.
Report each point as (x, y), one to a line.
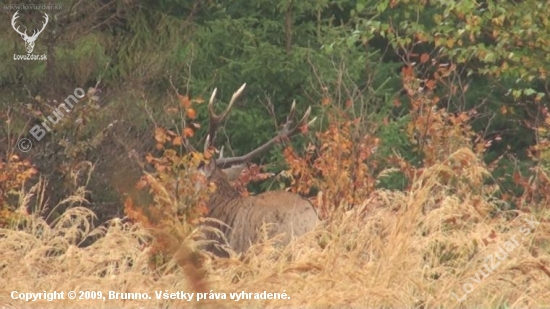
(14, 174)
(179, 193)
(343, 165)
(536, 184)
(436, 134)
(338, 164)
(178, 204)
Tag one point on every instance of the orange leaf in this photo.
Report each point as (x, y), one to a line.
(184, 101)
(128, 203)
(160, 135)
(177, 141)
(407, 71)
(3, 177)
(424, 58)
(503, 110)
(349, 103)
(191, 113)
(304, 129)
(396, 103)
(430, 84)
(188, 132)
(141, 184)
(171, 110)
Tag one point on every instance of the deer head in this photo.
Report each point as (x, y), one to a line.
(29, 40)
(230, 168)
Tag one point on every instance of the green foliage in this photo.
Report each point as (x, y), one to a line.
(83, 60)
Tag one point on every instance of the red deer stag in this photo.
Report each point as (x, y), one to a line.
(283, 212)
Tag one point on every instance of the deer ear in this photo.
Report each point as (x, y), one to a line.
(234, 172)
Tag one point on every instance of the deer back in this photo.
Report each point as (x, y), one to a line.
(281, 213)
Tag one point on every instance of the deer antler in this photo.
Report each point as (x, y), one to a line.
(285, 133)
(214, 119)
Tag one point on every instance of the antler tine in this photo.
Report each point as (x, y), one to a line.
(16, 16)
(215, 120)
(292, 111)
(211, 102)
(43, 26)
(206, 143)
(285, 132)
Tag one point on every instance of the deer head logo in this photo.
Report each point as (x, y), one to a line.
(29, 40)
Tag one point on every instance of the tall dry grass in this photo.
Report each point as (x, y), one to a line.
(413, 252)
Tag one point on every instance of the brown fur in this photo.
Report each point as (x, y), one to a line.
(288, 214)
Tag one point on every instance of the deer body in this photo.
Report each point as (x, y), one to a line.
(284, 213)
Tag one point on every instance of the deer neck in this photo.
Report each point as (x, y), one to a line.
(222, 195)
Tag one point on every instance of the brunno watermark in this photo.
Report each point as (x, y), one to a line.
(38, 131)
(492, 261)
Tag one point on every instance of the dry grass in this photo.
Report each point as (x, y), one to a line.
(413, 253)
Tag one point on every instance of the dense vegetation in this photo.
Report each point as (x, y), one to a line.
(431, 139)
